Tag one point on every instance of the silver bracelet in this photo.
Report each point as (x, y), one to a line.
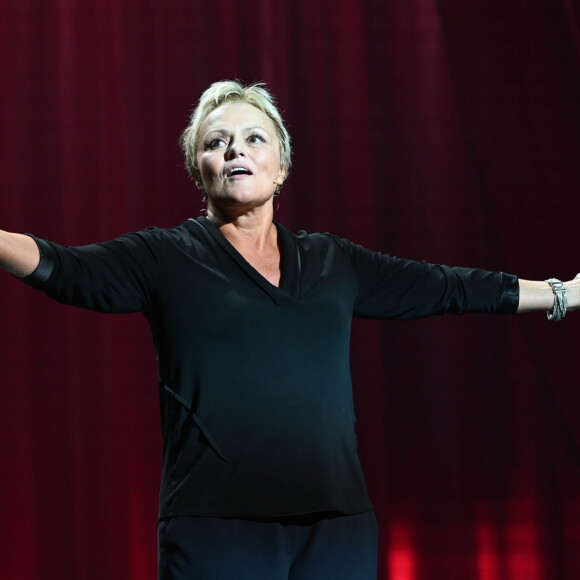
(560, 300)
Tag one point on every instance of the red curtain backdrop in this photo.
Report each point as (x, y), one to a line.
(440, 130)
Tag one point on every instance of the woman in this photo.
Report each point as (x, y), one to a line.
(251, 324)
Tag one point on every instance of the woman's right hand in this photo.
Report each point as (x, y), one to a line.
(19, 254)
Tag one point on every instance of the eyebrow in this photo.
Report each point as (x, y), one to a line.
(245, 129)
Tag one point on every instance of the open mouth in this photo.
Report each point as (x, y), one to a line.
(236, 170)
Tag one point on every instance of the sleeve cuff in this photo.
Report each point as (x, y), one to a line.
(45, 267)
(510, 294)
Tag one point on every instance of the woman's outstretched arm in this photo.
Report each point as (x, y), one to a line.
(19, 254)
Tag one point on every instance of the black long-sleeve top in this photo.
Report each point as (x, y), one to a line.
(255, 389)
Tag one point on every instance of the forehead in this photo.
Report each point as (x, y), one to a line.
(236, 115)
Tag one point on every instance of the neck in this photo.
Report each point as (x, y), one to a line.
(255, 227)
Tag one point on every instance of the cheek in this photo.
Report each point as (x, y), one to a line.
(271, 161)
(206, 167)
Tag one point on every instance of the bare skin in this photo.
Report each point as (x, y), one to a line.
(19, 254)
(239, 136)
(259, 247)
(536, 295)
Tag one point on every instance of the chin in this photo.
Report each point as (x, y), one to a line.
(244, 197)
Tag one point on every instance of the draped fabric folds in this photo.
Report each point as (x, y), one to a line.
(440, 130)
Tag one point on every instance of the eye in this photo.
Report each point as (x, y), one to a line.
(256, 138)
(214, 143)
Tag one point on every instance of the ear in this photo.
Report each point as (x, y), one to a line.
(198, 181)
(281, 177)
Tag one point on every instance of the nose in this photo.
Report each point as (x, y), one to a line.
(235, 149)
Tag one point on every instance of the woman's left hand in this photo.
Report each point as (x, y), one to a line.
(573, 292)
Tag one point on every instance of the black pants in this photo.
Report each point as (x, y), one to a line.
(202, 548)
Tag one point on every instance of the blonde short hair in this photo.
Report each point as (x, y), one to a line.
(219, 94)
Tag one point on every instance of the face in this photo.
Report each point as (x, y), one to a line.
(239, 156)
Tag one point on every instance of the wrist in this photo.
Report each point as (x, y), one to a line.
(560, 305)
(573, 291)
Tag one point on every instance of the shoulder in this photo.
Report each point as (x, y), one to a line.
(184, 236)
(328, 242)
(320, 240)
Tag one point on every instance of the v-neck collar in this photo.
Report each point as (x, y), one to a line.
(290, 264)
